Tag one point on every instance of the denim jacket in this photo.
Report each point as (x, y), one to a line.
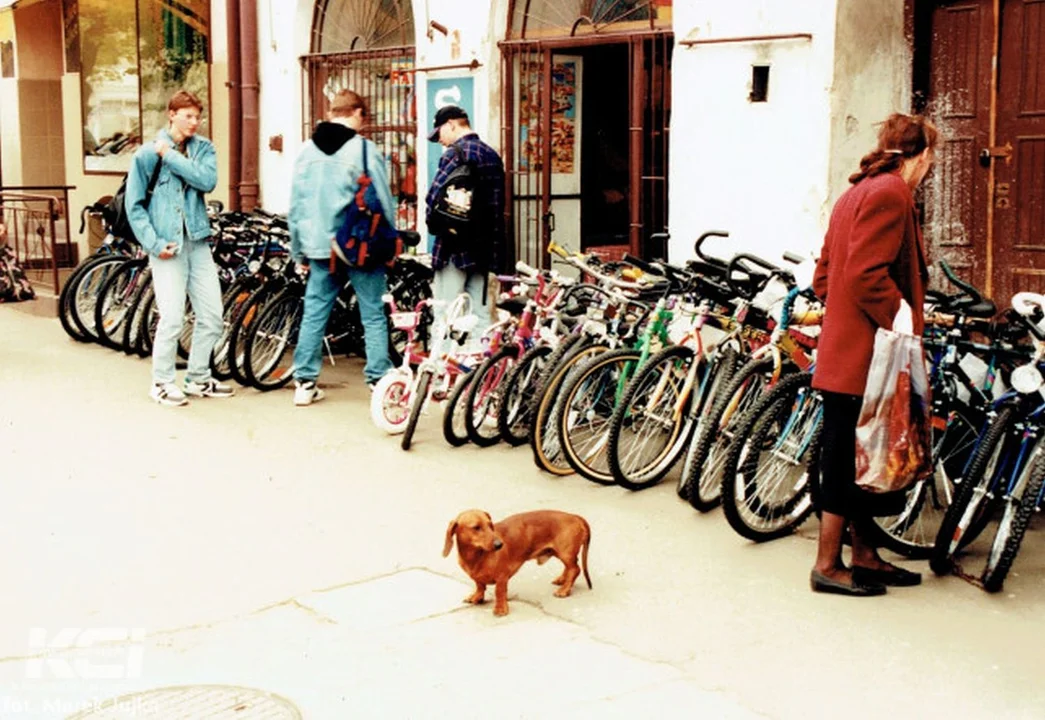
(326, 177)
(177, 211)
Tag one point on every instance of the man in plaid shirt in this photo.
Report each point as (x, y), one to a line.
(463, 267)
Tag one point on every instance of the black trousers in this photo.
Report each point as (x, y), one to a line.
(839, 493)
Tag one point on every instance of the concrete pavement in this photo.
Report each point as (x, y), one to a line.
(298, 551)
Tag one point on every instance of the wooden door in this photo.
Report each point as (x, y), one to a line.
(959, 100)
(1019, 152)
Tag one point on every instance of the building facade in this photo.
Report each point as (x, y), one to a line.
(618, 120)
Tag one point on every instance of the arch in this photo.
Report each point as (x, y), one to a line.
(536, 19)
(343, 25)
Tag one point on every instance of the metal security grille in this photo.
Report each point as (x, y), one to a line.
(532, 130)
(385, 79)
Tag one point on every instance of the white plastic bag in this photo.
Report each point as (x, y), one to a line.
(894, 432)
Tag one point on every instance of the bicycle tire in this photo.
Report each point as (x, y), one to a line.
(114, 298)
(583, 462)
(278, 322)
(547, 452)
(912, 532)
(703, 470)
(513, 420)
(242, 326)
(741, 472)
(85, 298)
(233, 298)
(626, 415)
(485, 393)
(454, 430)
(722, 366)
(67, 295)
(417, 403)
(132, 328)
(952, 537)
(1012, 528)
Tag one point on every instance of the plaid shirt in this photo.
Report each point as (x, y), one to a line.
(491, 177)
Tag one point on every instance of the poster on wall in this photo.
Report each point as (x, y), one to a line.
(564, 133)
(445, 91)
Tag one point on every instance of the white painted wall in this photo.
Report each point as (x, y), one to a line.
(757, 170)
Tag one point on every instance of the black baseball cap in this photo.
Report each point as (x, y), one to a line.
(446, 112)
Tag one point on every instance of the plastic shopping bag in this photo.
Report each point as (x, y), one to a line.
(893, 434)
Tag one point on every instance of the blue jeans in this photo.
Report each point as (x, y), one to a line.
(320, 294)
(191, 272)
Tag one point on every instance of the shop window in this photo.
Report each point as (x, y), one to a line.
(135, 54)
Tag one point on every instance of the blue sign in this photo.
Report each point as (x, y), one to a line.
(444, 91)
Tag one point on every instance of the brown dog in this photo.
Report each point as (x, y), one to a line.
(491, 553)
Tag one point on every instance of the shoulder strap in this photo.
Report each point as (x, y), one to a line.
(152, 180)
(363, 140)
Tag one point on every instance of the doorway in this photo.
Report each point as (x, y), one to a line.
(980, 73)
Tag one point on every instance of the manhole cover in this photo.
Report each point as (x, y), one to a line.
(193, 702)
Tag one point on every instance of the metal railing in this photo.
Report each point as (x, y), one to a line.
(30, 219)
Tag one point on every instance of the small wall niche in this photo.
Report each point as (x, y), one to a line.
(759, 84)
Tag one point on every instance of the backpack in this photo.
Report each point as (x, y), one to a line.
(366, 238)
(456, 206)
(115, 213)
(14, 287)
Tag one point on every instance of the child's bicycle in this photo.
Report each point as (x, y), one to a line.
(400, 396)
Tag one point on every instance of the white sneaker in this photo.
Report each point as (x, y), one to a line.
(168, 394)
(306, 393)
(208, 388)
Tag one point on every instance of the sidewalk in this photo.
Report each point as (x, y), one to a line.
(399, 646)
(297, 551)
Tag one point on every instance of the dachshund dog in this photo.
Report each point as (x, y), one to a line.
(492, 553)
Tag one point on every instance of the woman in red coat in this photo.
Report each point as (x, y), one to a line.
(872, 260)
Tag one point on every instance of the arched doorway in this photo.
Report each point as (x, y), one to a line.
(586, 113)
(368, 46)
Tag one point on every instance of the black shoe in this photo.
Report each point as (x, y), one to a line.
(895, 576)
(822, 584)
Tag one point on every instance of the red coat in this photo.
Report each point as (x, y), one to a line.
(872, 257)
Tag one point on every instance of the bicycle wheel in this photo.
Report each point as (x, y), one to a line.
(590, 397)
(243, 327)
(454, 429)
(115, 297)
(390, 402)
(150, 320)
(702, 473)
(85, 294)
(718, 373)
(772, 463)
(544, 435)
(132, 327)
(913, 531)
(67, 298)
(417, 402)
(233, 299)
(516, 409)
(484, 397)
(1019, 508)
(971, 508)
(269, 355)
(648, 427)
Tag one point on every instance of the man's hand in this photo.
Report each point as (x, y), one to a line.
(161, 146)
(302, 267)
(169, 251)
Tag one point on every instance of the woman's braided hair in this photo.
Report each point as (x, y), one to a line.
(900, 137)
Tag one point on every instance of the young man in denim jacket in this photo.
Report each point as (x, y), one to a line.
(326, 176)
(173, 228)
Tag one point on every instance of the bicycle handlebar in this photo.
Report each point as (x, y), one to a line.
(719, 262)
